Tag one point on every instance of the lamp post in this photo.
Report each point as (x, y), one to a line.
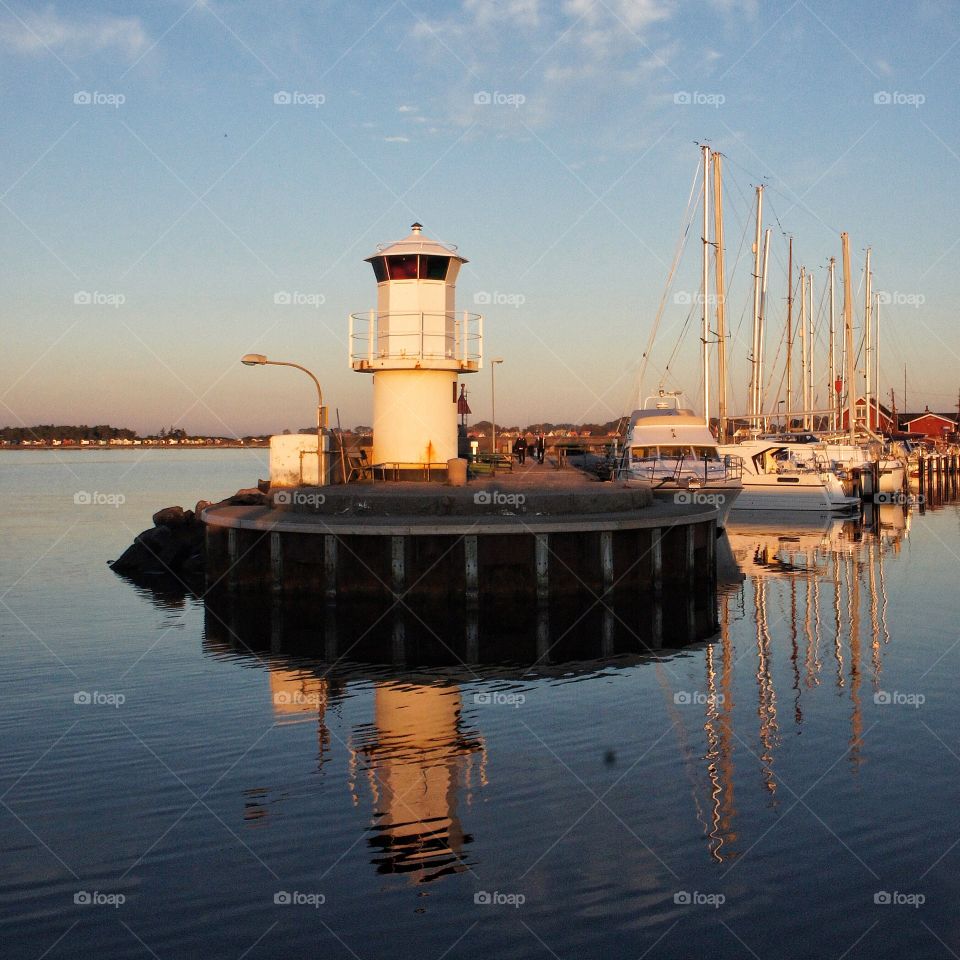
(259, 360)
(493, 405)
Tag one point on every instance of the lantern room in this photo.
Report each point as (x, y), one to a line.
(416, 344)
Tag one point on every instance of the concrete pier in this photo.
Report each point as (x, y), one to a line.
(533, 536)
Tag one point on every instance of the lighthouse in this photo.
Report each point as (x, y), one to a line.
(416, 346)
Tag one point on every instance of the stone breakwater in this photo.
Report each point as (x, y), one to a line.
(174, 548)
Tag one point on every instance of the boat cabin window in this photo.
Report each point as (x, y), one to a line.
(675, 452)
(706, 453)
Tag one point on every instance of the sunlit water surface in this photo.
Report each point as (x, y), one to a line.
(235, 788)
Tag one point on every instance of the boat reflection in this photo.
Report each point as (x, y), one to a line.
(821, 576)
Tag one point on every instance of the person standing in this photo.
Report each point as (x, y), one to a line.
(541, 447)
(520, 448)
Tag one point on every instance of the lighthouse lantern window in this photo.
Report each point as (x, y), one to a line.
(379, 268)
(403, 266)
(434, 268)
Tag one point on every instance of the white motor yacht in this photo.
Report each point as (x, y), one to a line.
(673, 450)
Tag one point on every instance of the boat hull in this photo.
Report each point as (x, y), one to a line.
(773, 495)
(723, 497)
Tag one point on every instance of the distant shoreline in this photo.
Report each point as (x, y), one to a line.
(96, 448)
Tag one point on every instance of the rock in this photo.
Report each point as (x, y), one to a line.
(167, 549)
(247, 498)
(153, 551)
(170, 517)
(174, 548)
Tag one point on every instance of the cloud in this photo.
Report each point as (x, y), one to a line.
(38, 32)
(738, 8)
(406, 108)
(396, 139)
(485, 13)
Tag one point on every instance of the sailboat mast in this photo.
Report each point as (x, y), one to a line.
(706, 284)
(763, 320)
(804, 406)
(848, 332)
(832, 360)
(810, 379)
(720, 283)
(876, 358)
(867, 336)
(789, 403)
(754, 377)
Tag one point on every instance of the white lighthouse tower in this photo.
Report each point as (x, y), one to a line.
(416, 345)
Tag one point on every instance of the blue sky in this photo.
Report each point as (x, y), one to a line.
(182, 199)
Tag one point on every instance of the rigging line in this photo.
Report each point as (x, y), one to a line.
(678, 253)
(797, 202)
(765, 391)
(680, 337)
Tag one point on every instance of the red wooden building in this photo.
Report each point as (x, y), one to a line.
(881, 419)
(934, 426)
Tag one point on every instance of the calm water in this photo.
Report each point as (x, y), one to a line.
(780, 779)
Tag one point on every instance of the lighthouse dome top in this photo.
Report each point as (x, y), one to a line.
(416, 243)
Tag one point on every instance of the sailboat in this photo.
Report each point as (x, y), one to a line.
(667, 445)
(774, 477)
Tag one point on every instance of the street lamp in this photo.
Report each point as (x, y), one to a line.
(259, 360)
(493, 405)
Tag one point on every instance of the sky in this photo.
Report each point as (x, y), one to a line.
(173, 172)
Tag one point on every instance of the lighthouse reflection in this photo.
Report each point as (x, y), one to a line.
(417, 760)
(800, 639)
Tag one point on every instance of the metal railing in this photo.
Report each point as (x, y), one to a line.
(455, 337)
(675, 469)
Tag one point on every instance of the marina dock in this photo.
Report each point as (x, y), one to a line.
(536, 534)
